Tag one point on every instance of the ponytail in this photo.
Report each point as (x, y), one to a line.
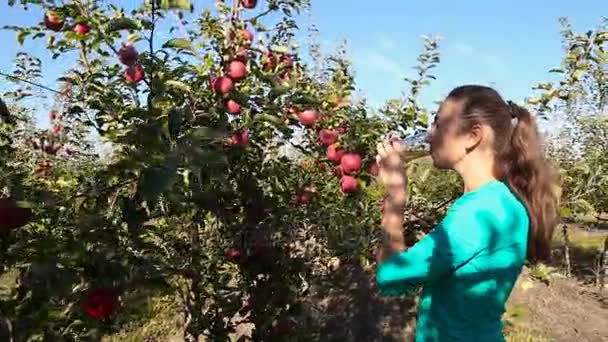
(532, 178)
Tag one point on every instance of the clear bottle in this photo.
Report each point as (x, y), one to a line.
(416, 144)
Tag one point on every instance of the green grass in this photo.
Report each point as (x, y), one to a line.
(580, 238)
(159, 322)
(515, 325)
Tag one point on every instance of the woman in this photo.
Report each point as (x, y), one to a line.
(469, 263)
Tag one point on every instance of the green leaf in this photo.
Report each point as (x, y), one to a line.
(118, 24)
(133, 38)
(21, 35)
(306, 99)
(179, 43)
(269, 118)
(205, 157)
(277, 91)
(155, 180)
(565, 212)
(176, 117)
(176, 4)
(177, 85)
(206, 133)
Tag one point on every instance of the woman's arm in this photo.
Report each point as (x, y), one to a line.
(455, 241)
(392, 231)
(394, 178)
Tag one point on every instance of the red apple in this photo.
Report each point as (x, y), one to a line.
(13, 215)
(242, 55)
(349, 184)
(222, 85)
(328, 136)
(339, 171)
(134, 74)
(247, 36)
(233, 107)
(127, 55)
(269, 62)
(57, 130)
(350, 162)
(54, 115)
(100, 303)
(287, 61)
(308, 117)
(374, 169)
(249, 4)
(334, 154)
(237, 70)
(303, 197)
(284, 76)
(82, 29)
(240, 138)
(234, 254)
(53, 21)
(291, 109)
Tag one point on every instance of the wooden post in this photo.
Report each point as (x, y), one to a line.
(567, 250)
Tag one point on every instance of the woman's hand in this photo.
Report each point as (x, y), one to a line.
(392, 172)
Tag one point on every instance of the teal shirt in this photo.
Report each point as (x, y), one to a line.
(467, 265)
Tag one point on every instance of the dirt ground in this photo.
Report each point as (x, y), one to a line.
(565, 310)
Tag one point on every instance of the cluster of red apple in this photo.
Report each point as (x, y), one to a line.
(134, 73)
(348, 163)
(54, 22)
(236, 71)
(127, 55)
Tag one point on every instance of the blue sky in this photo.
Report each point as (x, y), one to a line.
(508, 44)
(511, 44)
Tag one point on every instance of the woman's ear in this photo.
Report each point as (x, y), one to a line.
(474, 138)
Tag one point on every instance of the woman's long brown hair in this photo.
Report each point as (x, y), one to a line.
(520, 159)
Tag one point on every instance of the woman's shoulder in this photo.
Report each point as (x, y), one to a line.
(494, 199)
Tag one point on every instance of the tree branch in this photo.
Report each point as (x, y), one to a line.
(30, 82)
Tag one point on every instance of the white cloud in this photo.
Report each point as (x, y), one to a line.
(488, 59)
(386, 43)
(464, 49)
(376, 61)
